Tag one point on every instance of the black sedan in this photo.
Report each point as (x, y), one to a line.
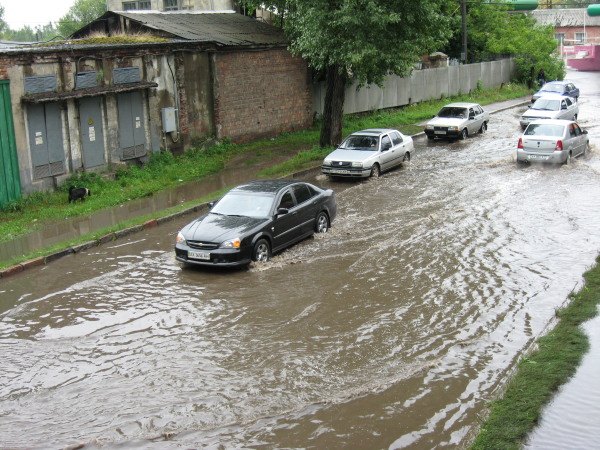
(255, 220)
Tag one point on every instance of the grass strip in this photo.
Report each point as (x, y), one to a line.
(541, 373)
(165, 171)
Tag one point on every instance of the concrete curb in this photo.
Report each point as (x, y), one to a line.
(43, 260)
(110, 237)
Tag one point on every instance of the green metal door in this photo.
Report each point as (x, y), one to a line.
(10, 182)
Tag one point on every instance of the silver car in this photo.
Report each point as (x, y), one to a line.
(551, 106)
(552, 140)
(368, 153)
(458, 120)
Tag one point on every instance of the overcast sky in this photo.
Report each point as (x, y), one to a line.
(18, 13)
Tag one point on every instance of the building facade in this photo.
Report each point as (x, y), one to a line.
(571, 26)
(81, 106)
(171, 5)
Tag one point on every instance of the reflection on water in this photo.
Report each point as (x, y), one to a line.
(393, 330)
(572, 418)
(56, 232)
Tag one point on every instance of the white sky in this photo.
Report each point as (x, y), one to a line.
(18, 13)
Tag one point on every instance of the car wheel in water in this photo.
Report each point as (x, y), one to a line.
(483, 128)
(322, 223)
(575, 117)
(568, 160)
(262, 251)
(375, 170)
(464, 134)
(406, 157)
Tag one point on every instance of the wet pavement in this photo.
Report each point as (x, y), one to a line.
(393, 330)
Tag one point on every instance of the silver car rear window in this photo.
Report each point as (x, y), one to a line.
(544, 129)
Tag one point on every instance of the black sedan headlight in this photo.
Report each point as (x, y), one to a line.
(231, 243)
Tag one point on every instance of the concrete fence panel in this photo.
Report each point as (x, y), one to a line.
(420, 86)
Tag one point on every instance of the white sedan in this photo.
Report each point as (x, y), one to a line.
(551, 106)
(368, 153)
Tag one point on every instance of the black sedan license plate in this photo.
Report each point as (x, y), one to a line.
(199, 255)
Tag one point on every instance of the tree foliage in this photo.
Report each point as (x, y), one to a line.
(493, 31)
(81, 13)
(347, 40)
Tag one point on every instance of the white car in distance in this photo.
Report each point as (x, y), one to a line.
(551, 106)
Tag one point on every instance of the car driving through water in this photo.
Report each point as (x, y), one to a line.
(253, 221)
(368, 153)
(553, 141)
(551, 106)
(458, 120)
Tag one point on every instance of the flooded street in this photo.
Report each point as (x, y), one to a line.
(393, 330)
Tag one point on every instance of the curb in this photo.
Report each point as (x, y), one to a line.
(152, 223)
(110, 237)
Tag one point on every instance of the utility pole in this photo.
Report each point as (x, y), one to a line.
(463, 8)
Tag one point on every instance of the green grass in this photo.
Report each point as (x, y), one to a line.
(540, 374)
(164, 171)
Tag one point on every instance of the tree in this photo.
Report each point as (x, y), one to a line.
(347, 40)
(3, 24)
(81, 13)
(493, 31)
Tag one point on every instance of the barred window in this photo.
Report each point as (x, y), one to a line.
(171, 5)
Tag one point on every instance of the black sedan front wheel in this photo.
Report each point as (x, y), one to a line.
(262, 251)
(322, 223)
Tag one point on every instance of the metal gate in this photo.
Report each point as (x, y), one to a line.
(132, 134)
(10, 182)
(91, 131)
(46, 139)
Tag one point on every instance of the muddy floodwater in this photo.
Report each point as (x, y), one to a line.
(393, 330)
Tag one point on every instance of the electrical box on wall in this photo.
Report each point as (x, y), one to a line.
(168, 119)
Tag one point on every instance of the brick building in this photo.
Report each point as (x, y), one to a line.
(81, 105)
(571, 26)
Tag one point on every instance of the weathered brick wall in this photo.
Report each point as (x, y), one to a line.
(592, 34)
(260, 94)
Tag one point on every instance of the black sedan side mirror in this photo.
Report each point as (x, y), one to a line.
(282, 211)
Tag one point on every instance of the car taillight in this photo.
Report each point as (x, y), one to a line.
(558, 145)
(520, 144)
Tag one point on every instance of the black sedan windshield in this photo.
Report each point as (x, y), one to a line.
(239, 204)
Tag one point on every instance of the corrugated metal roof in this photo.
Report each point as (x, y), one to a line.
(572, 17)
(222, 28)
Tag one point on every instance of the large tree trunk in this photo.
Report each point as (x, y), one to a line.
(333, 109)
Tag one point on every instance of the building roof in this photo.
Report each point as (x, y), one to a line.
(225, 28)
(572, 17)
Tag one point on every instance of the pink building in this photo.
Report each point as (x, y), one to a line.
(577, 35)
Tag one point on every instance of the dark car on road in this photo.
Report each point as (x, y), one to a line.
(253, 221)
(557, 87)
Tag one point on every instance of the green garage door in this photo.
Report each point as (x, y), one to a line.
(10, 182)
